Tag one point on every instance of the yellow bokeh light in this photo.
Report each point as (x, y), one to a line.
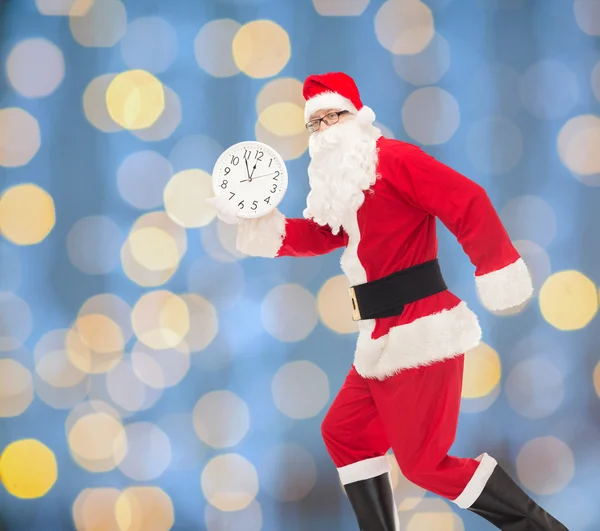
(94, 104)
(102, 25)
(289, 147)
(404, 26)
(229, 482)
(100, 333)
(145, 509)
(26, 214)
(335, 308)
(168, 121)
(280, 90)
(568, 300)
(16, 388)
(154, 249)
(113, 307)
(161, 319)
(261, 48)
(73, 8)
(431, 514)
(135, 99)
(282, 99)
(95, 343)
(185, 198)
(94, 510)
(578, 141)
(20, 134)
(98, 442)
(28, 469)
(283, 119)
(140, 273)
(213, 47)
(340, 8)
(482, 371)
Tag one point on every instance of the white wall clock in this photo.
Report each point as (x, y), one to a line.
(252, 176)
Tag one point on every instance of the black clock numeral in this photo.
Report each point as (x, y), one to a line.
(254, 205)
(224, 184)
(227, 170)
(270, 162)
(235, 160)
(274, 189)
(268, 200)
(232, 196)
(276, 175)
(246, 154)
(241, 204)
(259, 155)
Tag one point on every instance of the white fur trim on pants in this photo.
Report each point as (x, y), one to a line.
(506, 287)
(365, 469)
(477, 483)
(262, 236)
(425, 341)
(327, 100)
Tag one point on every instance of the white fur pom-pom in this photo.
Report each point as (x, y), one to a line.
(366, 115)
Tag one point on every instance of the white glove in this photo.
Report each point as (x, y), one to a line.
(226, 210)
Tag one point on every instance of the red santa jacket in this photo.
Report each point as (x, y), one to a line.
(395, 228)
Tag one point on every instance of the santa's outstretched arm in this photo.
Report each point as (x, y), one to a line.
(502, 278)
(275, 235)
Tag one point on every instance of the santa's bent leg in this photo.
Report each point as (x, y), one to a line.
(419, 409)
(357, 443)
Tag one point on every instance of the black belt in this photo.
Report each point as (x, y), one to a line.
(387, 296)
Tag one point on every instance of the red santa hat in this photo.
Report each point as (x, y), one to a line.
(334, 90)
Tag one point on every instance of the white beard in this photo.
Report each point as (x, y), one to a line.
(343, 165)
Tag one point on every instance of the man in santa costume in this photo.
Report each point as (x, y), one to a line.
(379, 198)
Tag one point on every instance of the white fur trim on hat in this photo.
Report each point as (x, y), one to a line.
(327, 100)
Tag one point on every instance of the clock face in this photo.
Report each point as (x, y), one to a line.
(253, 176)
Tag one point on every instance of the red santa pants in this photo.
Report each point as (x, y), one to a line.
(416, 414)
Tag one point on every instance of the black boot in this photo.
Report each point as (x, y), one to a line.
(509, 508)
(373, 503)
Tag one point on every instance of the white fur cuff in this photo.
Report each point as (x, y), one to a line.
(262, 236)
(506, 287)
(477, 483)
(365, 469)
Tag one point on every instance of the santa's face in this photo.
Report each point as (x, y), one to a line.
(343, 165)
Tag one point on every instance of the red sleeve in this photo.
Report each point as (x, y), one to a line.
(275, 235)
(463, 206)
(304, 237)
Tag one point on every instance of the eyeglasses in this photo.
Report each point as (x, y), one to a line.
(330, 119)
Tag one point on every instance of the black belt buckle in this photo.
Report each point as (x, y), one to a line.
(355, 308)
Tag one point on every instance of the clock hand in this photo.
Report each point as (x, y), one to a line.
(247, 170)
(252, 172)
(259, 176)
(265, 175)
